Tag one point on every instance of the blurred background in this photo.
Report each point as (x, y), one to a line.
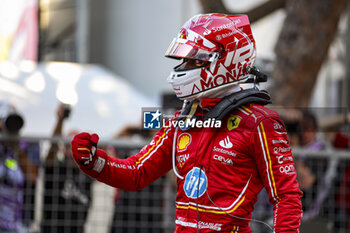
(85, 65)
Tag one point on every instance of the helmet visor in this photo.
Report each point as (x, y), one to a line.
(181, 48)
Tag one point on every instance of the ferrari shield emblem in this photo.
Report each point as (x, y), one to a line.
(233, 122)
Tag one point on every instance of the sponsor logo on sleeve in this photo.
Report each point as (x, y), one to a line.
(279, 141)
(282, 158)
(277, 126)
(288, 169)
(277, 150)
(122, 166)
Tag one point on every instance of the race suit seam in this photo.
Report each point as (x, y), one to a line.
(267, 165)
(212, 211)
(270, 162)
(247, 109)
(155, 145)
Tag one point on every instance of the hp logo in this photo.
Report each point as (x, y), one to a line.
(196, 183)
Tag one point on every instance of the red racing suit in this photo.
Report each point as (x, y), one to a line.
(224, 168)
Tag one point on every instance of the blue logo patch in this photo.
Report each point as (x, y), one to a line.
(196, 183)
(152, 119)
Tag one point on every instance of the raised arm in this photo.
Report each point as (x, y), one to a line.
(133, 173)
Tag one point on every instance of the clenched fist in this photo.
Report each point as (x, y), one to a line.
(85, 153)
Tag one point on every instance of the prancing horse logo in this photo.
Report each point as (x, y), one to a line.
(233, 122)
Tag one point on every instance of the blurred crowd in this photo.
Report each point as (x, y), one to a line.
(42, 190)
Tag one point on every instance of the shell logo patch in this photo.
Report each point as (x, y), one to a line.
(184, 140)
(233, 122)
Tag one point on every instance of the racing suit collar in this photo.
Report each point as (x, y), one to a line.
(209, 103)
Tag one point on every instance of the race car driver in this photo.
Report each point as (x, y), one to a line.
(220, 169)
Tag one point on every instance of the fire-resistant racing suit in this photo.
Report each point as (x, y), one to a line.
(221, 170)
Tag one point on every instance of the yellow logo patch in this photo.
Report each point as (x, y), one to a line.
(184, 140)
(233, 122)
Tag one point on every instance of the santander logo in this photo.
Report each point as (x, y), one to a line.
(225, 143)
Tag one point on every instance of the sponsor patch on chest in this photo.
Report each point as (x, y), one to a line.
(196, 183)
(181, 159)
(184, 141)
(223, 159)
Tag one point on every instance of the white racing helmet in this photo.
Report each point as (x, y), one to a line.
(216, 50)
